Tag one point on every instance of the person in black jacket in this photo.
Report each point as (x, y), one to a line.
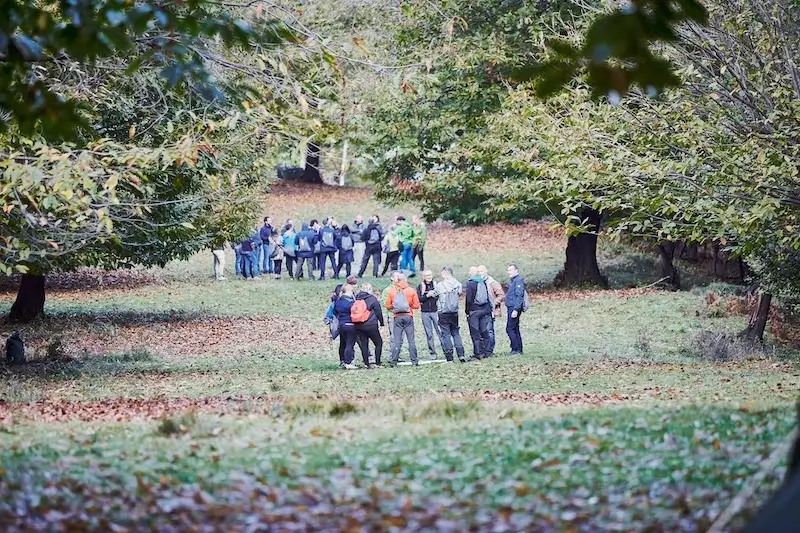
(479, 314)
(430, 313)
(372, 237)
(369, 330)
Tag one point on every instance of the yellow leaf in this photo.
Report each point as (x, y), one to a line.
(303, 102)
(111, 182)
(132, 131)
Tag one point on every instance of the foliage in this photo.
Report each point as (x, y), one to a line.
(36, 40)
(618, 51)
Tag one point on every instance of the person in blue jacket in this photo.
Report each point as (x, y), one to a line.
(304, 245)
(327, 249)
(289, 250)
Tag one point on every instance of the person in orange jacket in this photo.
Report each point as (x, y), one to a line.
(402, 301)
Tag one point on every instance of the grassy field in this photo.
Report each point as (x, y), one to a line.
(163, 400)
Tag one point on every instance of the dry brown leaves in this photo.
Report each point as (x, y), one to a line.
(528, 238)
(199, 337)
(88, 279)
(126, 409)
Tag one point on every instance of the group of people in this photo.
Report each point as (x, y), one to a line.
(317, 245)
(356, 315)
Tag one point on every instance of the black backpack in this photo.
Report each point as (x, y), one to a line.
(374, 236)
(15, 349)
(327, 238)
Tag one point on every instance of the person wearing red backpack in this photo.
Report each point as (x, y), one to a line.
(367, 317)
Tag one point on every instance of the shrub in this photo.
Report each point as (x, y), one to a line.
(451, 409)
(176, 425)
(723, 347)
(641, 346)
(340, 409)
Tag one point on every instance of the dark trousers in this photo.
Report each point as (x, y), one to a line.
(451, 335)
(366, 334)
(391, 261)
(347, 267)
(479, 322)
(347, 342)
(290, 261)
(299, 270)
(323, 260)
(403, 326)
(420, 252)
(512, 329)
(276, 266)
(375, 253)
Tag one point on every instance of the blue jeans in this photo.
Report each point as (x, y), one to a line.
(237, 264)
(407, 258)
(267, 265)
(491, 335)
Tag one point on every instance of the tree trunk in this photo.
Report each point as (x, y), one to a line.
(758, 319)
(29, 304)
(671, 278)
(345, 163)
(581, 268)
(312, 175)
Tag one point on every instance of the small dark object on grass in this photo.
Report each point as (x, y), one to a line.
(341, 409)
(15, 349)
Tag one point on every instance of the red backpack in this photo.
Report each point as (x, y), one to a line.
(359, 312)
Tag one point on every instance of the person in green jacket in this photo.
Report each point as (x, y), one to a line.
(420, 237)
(405, 232)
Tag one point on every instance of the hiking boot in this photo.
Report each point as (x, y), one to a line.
(462, 360)
(475, 358)
(350, 367)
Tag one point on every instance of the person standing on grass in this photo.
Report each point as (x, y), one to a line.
(430, 315)
(255, 257)
(347, 330)
(448, 292)
(327, 236)
(289, 249)
(277, 254)
(345, 243)
(368, 318)
(391, 247)
(479, 312)
(405, 232)
(420, 237)
(304, 244)
(497, 297)
(515, 303)
(315, 227)
(246, 251)
(266, 232)
(389, 316)
(401, 301)
(218, 251)
(238, 261)
(372, 237)
(359, 246)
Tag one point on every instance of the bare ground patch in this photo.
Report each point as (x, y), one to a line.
(126, 409)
